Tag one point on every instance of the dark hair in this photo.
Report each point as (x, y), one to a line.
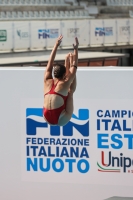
(59, 70)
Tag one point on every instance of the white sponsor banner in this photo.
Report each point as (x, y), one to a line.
(95, 145)
(111, 135)
(131, 30)
(96, 32)
(69, 31)
(51, 32)
(123, 30)
(109, 29)
(111, 103)
(38, 40)
(82, 32)
(21, 35)
(6, 36)
(62, 153)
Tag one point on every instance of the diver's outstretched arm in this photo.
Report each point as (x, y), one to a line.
(75, 58)
(73, 62)
(48, 72)
(67, 63)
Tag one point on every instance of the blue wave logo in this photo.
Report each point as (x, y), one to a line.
(34, 120)
(106, 31)
(48, 33)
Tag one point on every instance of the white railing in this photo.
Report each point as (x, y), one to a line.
(119, 2)
(39, 15)
(32, 2)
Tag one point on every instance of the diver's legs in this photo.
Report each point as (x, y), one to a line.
(67, 113)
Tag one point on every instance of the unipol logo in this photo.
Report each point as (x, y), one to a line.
(35, 120)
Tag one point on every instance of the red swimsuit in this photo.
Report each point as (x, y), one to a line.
(52, 116)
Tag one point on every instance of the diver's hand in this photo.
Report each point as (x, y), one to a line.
(59, 40)
(75, 46)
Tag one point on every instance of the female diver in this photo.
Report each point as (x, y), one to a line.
(58, 91)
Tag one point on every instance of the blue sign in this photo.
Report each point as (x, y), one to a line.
(32, 125)
(48, 33)
(106, 31)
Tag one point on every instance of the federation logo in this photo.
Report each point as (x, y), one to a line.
(57, 148)
(106, 31)
(48, 33)
(32, 124)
